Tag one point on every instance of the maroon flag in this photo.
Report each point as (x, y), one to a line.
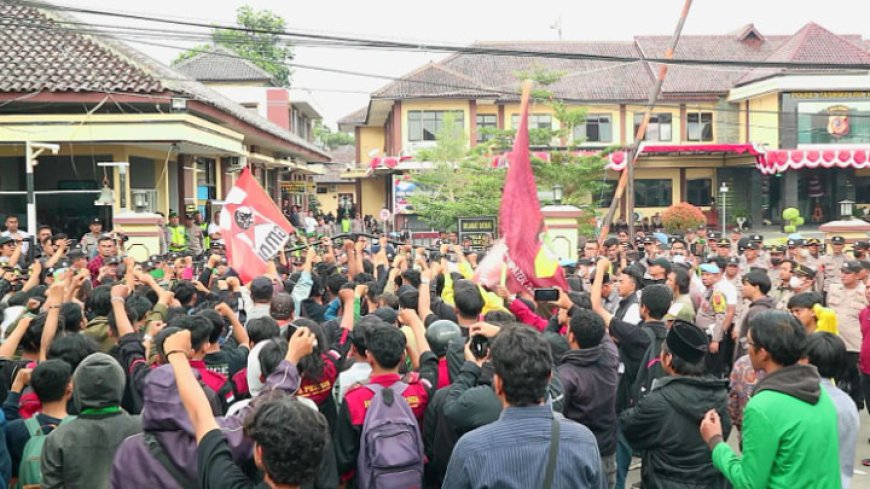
(254, 230)
(530, 264)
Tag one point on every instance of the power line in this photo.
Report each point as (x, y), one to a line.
(480, 50)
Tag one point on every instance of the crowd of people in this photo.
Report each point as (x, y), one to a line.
(365, 362)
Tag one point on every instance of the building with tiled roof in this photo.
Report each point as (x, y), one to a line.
(100, 100)
(713, 124)
(219, 64)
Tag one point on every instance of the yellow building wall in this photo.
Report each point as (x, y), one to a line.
(764, 120)
(451, 105)
(370, 139)
(373, 196)
(329, 200)
(741, 116)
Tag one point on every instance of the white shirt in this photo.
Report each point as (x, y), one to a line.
(358, 372)
(310, 224)
(213, 229)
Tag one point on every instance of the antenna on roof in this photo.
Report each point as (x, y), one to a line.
(557, 26)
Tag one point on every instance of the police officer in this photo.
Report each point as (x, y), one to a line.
(89, 240)
(832, 262)
(177, 234)
(847, 299)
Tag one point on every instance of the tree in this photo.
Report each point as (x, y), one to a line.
(329, 138)
(463, 182)
(259, 43)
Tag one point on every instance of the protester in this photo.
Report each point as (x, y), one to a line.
(789, 424)
(529, 446)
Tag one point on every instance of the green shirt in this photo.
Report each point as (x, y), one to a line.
(787, 443)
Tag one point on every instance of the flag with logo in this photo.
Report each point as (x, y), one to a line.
(529, 261)
(253, 228)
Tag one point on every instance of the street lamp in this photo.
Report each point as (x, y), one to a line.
(723, 191)
(846, 207)
(557, 194)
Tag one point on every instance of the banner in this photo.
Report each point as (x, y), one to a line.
(530, 263)
(403, 187)
(482, 231)
(254, 229)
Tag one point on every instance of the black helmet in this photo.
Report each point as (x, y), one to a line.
(439, 334)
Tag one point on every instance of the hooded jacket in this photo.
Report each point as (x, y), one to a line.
(79, 454)
(98, 329)
(664, 427)
(590, 377)
(789, 435)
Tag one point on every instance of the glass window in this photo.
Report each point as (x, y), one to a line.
(596, 129)
(699, 126)
(423, 125)
(653, 193)
(605, 195)
(536, 121)
(659, 129)
(484, 121)
(699, 191)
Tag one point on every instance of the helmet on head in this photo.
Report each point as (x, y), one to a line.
(439, 334)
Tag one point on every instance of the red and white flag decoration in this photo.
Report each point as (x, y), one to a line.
(253, 228)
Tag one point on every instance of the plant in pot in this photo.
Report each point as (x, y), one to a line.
(792, 220)
(679, 218)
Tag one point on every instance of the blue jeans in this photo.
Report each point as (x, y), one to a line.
(623, 459)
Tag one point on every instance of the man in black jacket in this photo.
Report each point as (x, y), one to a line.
(589, 374)
(663, 424)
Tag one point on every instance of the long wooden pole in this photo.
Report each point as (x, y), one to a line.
(634, 150)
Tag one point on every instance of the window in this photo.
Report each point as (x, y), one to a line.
(699, 192)
(423, 125)
(699, 126)
(596, 129)
(536, 121)
(605, 195)
(484, 121)
(659, 128)
(653, 193)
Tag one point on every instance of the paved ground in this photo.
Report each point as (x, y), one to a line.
(861, 479)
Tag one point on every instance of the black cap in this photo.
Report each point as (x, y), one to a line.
(813, 242)
(851, 267)
(795, 242)
(756, 237)
(281, 307)
(838, 240)
(262, 288)
(96, 220)
(752, 245)
(648, 240)
(732, 261)
(778, 249)
(687, 341)
(861, 245)
(804, 271)
(112, 260)
(6, 240)
(76, 254)
(714, 235)
(387, 314)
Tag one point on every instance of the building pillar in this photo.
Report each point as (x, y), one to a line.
(396, 137)
(472, 122)
(186, 182)
(500, 121)
(790, 189)
(756, 212)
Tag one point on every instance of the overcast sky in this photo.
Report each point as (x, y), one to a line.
(464, 21)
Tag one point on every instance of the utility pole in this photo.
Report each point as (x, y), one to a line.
(31, 153)
(627, 177)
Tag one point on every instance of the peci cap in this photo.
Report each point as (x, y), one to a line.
(687, 341)
(838, 240)
(851, 267)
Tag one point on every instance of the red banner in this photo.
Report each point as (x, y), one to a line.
(253, 228)
(530, 263)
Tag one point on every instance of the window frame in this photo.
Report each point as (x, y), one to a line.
(434, 118)
(583, 129)
(643, 193)
(534, 121)
(654, 121)
(480, 125)
(702, 136)
(690, 191)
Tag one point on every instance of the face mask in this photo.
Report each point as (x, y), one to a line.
(805, 253)
(679, 259)
(795, 282)
(776, 261)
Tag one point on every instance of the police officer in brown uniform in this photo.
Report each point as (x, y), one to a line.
(847, 299)
(832, 262)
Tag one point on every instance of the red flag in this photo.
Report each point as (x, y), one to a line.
(253, 228)
(530, 264)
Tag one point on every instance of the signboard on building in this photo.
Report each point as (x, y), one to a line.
(293, 187)
(482, 231)
(403, 187)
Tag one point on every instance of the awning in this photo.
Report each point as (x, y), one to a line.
(778, 161)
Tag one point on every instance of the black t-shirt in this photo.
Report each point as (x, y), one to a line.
(17, 437)
(216, 467)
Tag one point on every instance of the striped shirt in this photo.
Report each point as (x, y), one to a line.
(513, 451)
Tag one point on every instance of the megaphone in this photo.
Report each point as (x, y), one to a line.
(107, 197)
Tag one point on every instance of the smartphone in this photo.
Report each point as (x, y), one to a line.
(546, 295)
(479, 346)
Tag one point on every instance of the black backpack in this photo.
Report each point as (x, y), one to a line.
(650, 367)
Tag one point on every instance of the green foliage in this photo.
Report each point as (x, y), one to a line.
(792, 220)
(329, 138)
(451, 143)
(265, 49)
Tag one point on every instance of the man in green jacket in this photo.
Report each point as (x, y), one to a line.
(789, 425)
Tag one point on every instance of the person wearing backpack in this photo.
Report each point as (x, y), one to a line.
(639, 348)
(50, 381)
(79, 454)
(663, 426)
(387, 404)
